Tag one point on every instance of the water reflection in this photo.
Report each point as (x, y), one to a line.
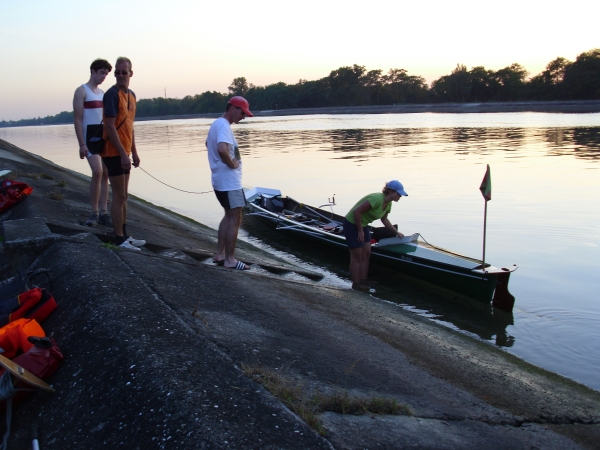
(587, 141)
(343, 141)
(489, 323)
(362, 144)
(582, 142)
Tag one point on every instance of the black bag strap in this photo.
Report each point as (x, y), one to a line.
(124, 118)
(33, 273)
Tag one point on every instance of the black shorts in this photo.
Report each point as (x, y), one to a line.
(351, 233)
(113, 165)
(231, 199)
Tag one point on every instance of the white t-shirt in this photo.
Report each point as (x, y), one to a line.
(223, 178)
(92, 108)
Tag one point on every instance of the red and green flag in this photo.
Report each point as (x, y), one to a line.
(486, 185)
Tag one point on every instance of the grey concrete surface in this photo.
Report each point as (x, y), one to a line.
(154, 344)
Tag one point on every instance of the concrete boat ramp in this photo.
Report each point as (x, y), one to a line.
(164, 349)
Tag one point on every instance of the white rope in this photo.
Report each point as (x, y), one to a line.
(173, 187)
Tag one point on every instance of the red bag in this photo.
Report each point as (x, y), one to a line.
(36, 303)
(41, 360)
(11, 193)
(18, 299)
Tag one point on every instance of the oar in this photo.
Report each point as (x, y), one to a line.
(321, 215)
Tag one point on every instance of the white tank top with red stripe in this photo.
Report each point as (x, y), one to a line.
(92, 108)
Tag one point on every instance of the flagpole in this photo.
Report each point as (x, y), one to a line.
(484, 230)
(486, 191)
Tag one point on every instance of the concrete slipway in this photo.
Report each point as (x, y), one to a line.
(155, 343)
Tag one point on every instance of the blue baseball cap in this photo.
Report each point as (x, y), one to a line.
(397, 186)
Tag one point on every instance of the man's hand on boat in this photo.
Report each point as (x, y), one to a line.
(388, 225)
(361, 232)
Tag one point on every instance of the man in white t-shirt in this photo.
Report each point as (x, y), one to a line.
(226, 167)
(87, 110)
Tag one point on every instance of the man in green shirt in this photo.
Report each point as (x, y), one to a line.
(358, 236)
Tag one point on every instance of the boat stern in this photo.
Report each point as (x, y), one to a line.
(502, 298)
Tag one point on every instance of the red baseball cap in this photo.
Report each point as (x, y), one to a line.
(241, 102)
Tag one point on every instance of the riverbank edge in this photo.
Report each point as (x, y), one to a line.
(572, 107)
(566, 106)
(410, 334)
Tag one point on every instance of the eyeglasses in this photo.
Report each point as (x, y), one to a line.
(121, 72)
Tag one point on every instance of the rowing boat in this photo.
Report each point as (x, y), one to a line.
(411, 256)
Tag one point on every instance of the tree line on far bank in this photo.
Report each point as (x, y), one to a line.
(355, 86)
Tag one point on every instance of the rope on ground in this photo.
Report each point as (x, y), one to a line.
(172, 187)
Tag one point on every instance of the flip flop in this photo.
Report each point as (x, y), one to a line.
(218, 262)
(239, 266)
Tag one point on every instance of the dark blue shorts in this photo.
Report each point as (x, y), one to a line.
(231, 199)
(351, 233)
(113, 166)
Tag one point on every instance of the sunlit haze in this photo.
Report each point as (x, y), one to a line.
(187, 47)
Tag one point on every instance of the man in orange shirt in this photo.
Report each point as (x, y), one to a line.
(119, 114)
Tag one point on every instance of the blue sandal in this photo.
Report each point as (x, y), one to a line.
(239, 266)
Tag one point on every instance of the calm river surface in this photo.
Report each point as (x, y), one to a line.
(544, 214)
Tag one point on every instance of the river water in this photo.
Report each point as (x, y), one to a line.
(544, 214)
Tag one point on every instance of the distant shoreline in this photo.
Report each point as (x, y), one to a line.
(568, 106)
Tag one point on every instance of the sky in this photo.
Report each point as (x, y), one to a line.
(187, 47)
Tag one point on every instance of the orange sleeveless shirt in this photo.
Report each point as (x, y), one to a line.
(126, 110)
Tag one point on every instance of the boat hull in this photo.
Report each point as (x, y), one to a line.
(463, 283)
(439, 268)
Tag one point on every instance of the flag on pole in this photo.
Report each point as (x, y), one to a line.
(486, 185)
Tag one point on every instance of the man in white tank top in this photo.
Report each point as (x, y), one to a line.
(87, 109)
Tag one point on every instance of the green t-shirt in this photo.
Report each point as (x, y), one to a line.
(376, 211)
